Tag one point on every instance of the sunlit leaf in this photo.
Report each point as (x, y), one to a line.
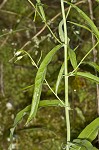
(60, 75)
(91, 131)
(88, 76)
(87, 19)
(72, 57)
(40, 76)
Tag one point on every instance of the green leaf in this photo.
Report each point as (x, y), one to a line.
(61, 32)
(40, 76)
(97, 1)
(92, 64)
(94, 148)
(22, 113)
(82, 145)
(91, 131)
(18, 118)
(80, 25)
(88, 76)
(72, 57)
(27, 87)
(87, 19)
(43, 103)
(46, 103)
(60, 75)
(39, 4)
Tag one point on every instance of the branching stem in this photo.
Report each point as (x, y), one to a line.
(66, 74)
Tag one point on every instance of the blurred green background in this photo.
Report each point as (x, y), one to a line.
(47, 131)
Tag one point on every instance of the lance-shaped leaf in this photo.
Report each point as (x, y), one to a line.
(88, 76)
(60, 75)
(82, 144)
(92, 64)
(40, 6)
(39, 80)
(60, 30)
(43, 103)
(72, 57)
(18, 118)
(91, 131)
(87, 19)
(80, 25)
(22, 113)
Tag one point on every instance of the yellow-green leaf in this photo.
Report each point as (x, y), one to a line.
(40, 76)
(60, 75)
(92, 64)
(91, 131)
(87, 19)
(72, 57)
(88, 76)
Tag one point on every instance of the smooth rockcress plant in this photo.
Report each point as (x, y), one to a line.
(85, 138)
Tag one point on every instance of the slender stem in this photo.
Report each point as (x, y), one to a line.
(45, 22)
(53, 92)
(44, 27)
(66, 75)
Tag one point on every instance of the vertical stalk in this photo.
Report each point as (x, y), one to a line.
(94, 56)
(66, 74)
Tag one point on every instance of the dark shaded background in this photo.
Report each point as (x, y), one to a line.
(47, 131)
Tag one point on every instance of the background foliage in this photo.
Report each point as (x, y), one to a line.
(16, 28)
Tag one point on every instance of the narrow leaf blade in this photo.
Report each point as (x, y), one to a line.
(88, 76)
(91, 131)
(92, 64)
(83, 144)
(47, 103)
(72, 57)
(80, 25)
(87, 19)
(60, 30)
(23, 112)
(60, 75)
(39, 4)
(39, 80)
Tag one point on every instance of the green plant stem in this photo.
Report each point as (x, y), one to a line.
(66, 75)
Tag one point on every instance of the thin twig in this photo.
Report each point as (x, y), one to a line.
(94, 52)
(1, 80)
(4, 42)
(49, 22)
(3, 3)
